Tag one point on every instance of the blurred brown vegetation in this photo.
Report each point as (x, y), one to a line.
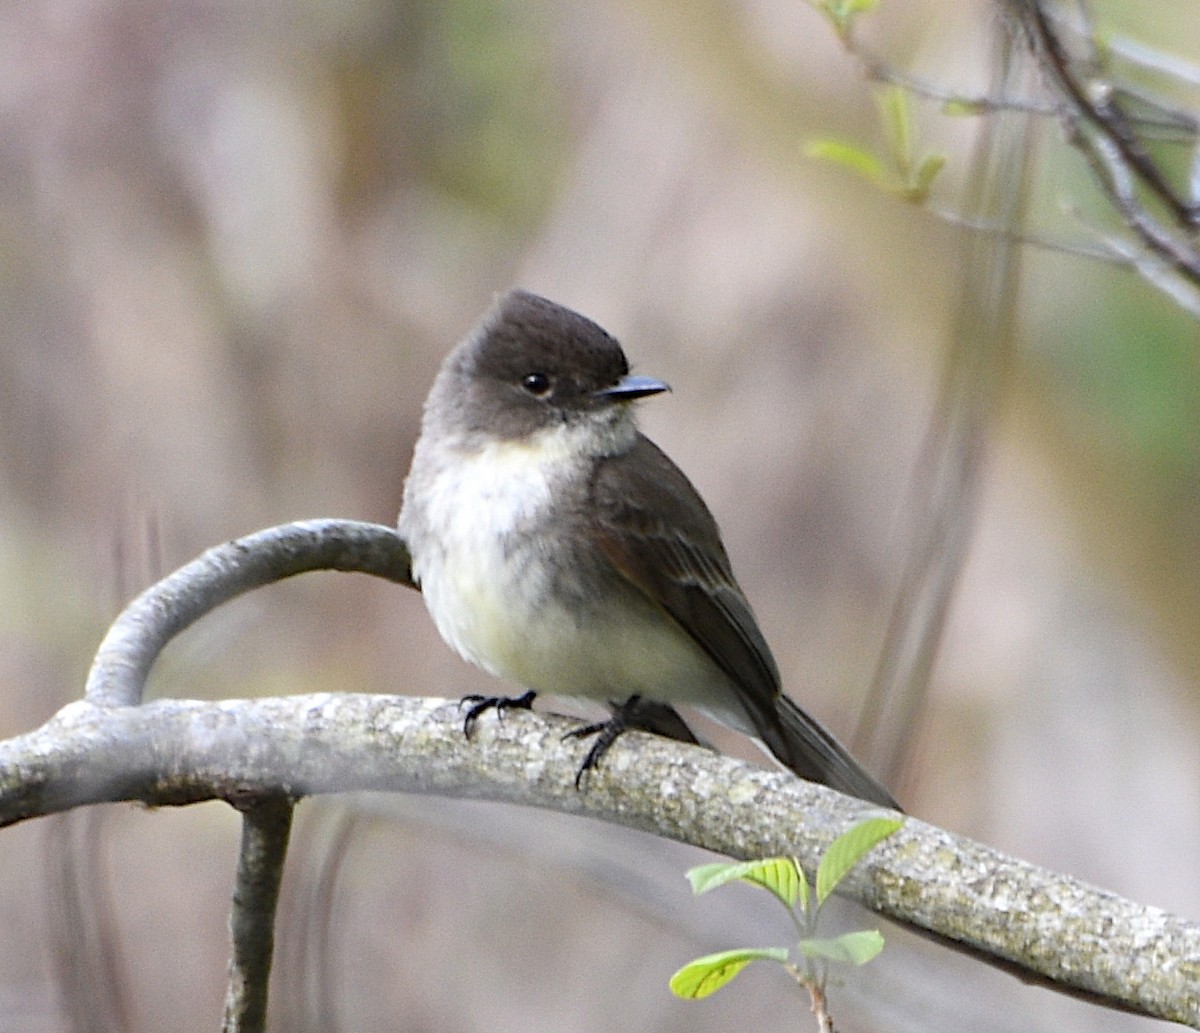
(236, 240)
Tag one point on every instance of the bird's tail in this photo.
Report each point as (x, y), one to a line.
(814, 754)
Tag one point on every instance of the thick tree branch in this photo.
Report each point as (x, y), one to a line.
(1046, 927)
(1042, 924)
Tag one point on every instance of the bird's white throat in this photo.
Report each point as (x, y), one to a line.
(464, 512)
(474, 494)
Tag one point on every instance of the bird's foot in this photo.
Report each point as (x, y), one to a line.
(477, 705)
(606, 733)
(635, 713)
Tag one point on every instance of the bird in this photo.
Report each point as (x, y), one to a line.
(559, 549)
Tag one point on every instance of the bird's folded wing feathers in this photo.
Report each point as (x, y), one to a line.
(668, 545)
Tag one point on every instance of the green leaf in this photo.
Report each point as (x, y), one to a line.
(843, 12)
(851, 156)
(895, 107)
(803, 888)
(848, 849)
(927, 171)
(707, 975)
(918, 188)
(855, 948)
(779, 875)
(705, 877)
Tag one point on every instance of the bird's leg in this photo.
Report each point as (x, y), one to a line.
(635, 713)
(482, 704)
(606, 733)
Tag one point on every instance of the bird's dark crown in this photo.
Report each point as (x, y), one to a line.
(528, 364)
(527, 335)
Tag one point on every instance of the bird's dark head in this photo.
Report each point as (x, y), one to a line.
(532, 365)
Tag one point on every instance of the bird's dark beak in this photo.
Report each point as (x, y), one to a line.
(630, 387)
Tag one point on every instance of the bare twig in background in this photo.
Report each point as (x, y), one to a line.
(1108, 121)
(947, 478)
(1090, 98)
(1091, 108)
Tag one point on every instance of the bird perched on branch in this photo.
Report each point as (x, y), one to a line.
(559, 549)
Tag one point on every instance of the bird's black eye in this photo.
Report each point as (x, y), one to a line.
(536, 383)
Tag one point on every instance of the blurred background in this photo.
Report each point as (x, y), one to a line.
(235, 242)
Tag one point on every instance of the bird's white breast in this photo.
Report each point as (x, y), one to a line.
(477, 527)
(479, 515)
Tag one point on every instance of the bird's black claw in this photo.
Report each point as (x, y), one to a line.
(606, 733)
(481, 704)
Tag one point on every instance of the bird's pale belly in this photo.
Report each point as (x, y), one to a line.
(520, 602)
(609, 648)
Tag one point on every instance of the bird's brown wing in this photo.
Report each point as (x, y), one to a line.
(657, 532)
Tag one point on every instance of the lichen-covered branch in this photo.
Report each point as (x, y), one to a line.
(1044, 926)
(1041, 924)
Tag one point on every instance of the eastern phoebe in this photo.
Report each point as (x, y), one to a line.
(558, 549)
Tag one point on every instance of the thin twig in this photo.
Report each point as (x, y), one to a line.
(1138, 53)
(878, 70)
(266, 825)
(945, 483)
(1101, 124)
(1095, 103)
(1104, 159)
(123, 661)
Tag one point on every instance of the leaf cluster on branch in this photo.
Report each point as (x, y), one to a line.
(1111, 95)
